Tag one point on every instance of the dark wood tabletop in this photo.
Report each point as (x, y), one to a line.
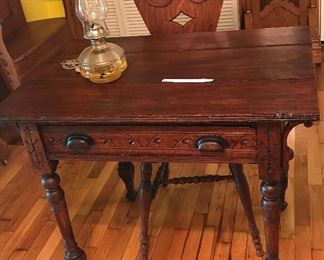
(264, 86)
(259, 75)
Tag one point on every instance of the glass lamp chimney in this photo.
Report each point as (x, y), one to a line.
(101, 62)
(92, 14)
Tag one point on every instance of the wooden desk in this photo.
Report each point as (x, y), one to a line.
(264, 86)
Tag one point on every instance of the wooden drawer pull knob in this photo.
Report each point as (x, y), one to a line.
(79, 143)
(212, 144)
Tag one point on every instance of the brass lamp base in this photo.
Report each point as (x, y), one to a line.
(101, 78)
(102, 62)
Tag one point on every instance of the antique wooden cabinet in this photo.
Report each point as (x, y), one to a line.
(279, 13)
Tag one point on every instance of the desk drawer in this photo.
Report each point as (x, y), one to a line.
(206, 143)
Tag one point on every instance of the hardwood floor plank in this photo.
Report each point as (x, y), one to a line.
(177, 245)
(17, 255)
(35, 229)
(4, 237)
(166, 230)
(40, 240)
(120, 244)
(239, 243)
(206, 246)
(131, 250)
(100, 228)
(301, 192)
(193, 241)
(313, 156)
(21, 230)
(317, 254)
(103, 173)
(288, 251)
(316, 193)
(223, 246)
(104, 246)
(303, 243)
(287, 221)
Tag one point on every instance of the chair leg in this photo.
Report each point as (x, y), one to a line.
(243, 190)
(3, 152)
(165, 173)
(145, 204)
(126, 173)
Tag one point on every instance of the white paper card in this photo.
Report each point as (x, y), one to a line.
(203, 80)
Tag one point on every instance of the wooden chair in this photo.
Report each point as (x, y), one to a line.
(165, 17)
(280, 13)
(180, 20)
(184, 16)
(23, 47)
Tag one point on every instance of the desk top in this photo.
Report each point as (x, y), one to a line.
(260, 75)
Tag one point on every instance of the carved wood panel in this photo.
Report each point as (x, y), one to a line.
(4, 10)
(278, 13)
(264, 3)
(281, 13)
(11, 15)
(7, 67)
(74, 22)
(177, 16)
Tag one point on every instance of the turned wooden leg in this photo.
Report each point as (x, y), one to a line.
(284, 186)
(271, 206)
(243, 190)
(55, 197)
(164, 168)
(3, 152)
(145, 203)
(51, 182)
(126, 173)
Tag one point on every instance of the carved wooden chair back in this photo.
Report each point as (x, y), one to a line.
(165, 16)
(23, 46)
(11, 19)
(74, 23)
(179, 16)
(11, 16)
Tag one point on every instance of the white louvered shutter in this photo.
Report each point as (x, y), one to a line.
(133, 21)
(229, 19)
(113, 23)
(125, 20)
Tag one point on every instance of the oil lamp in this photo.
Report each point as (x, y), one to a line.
(102, 61)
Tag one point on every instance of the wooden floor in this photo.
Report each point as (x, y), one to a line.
(187, 222)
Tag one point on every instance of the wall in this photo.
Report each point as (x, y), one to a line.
(42, 9)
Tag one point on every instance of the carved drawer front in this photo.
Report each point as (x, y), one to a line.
(204, 143)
